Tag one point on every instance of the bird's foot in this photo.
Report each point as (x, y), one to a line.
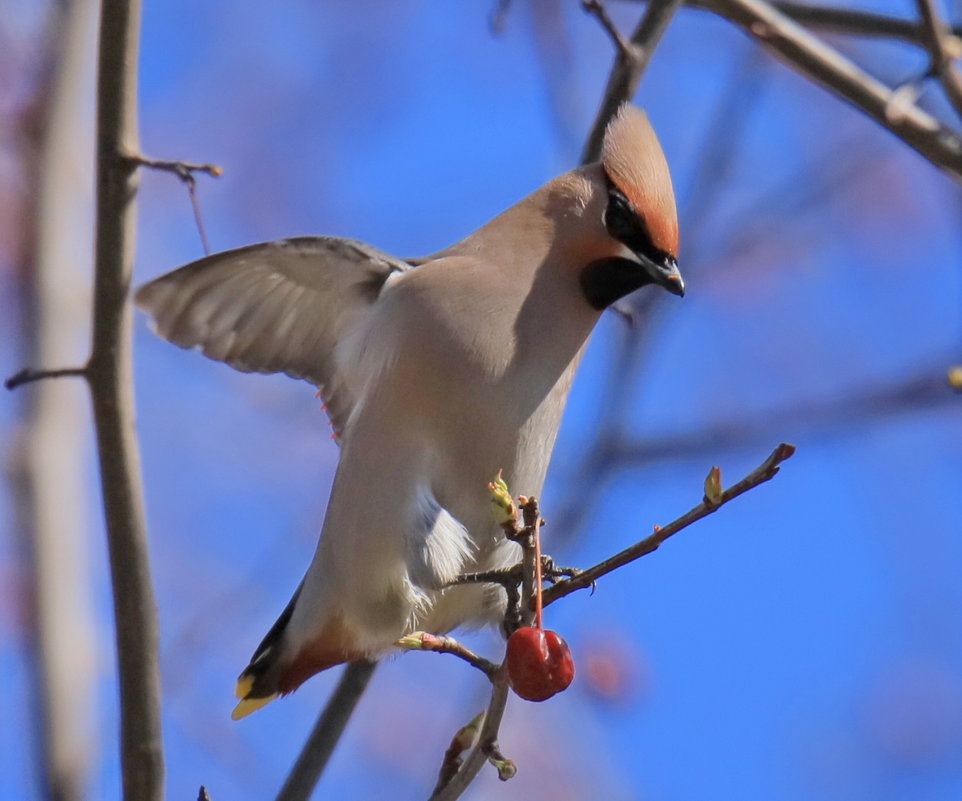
(553, 572)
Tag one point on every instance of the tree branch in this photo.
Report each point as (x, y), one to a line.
(327, 731)
(109, 376)
(28, 375)
(849, 21)
(46, 457)
(764, 472)
(598, 9)
(443, 644)
(487, 748)
(943, 49)
(631, 60)
(487, 739)
(453, 757)
(185, 171)
(182, 169)
(845, 21)
(810, 56)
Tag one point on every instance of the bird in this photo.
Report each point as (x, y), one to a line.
(436, 373)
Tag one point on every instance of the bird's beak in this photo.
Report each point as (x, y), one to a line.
(665, 274)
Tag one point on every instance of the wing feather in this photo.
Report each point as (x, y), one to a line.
(275, 307)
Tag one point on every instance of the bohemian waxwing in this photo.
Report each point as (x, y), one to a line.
(437, 373)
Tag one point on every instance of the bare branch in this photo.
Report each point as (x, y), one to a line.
(598, 9)
(453, 757)
(848, 21)
(28, 375)
(943, 50)
(631, 60)
(845, 21)
(182, 169)
(510, 579)
(530, 557)
(185, 171)
(487, 739)
(327, 731)
(46, 455)
(453, 782)
(810, 56)
(109, 376)
(764, 472)
(443, 644)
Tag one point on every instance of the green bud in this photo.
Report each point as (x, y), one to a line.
(502, 504)
(713, 486)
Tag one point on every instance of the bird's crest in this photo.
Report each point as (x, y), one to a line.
(635, 162)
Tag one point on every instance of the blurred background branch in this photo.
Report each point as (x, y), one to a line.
(46, 465)
(58, 567)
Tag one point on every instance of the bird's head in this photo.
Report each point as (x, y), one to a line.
(640, 220)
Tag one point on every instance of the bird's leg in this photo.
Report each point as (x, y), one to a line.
(510, 579)
(552, 571)
(502, 576)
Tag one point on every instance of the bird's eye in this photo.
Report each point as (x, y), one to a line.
(624, 223)
(620, 218)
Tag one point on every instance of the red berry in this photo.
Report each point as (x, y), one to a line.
(539, 663)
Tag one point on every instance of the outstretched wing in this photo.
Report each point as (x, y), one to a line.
(276, 307)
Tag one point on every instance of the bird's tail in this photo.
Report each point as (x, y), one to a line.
(279, 666)
(257, 684)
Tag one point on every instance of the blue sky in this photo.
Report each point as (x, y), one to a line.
(801, 644)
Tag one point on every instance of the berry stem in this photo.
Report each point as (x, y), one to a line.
(536, 534)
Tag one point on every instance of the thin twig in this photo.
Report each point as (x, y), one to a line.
(847, 416)
(487, 746)
(599, 10)
(198, 218)
(109, 374)
(764, 472)
(182, 169)
(631, 60)
(27, 375)
(185, 171)
(943, 48)
(327, 731)
(530, 569)
(443, 644)
(509, 579)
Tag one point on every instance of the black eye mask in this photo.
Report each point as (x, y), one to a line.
(628, 227)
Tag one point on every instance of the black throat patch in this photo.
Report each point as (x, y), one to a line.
(606, 280)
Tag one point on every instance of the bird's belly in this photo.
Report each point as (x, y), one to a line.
(446, 435)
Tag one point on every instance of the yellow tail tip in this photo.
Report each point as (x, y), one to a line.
(248, 705)
(244, 685)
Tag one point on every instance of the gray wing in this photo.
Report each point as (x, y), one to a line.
(275, 307)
